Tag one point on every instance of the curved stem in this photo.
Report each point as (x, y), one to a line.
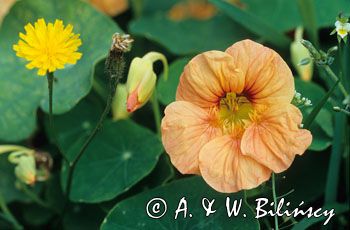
(155, 56)
(34, 197)
(73, 164)
(245, 199)
(274, 200)
(50, 80)
(156, 112)
(335, 78)
(137, 7)
(114, 68)
(8, 214)
(341, 66)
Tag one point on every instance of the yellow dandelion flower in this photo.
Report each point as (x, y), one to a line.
(48, 47)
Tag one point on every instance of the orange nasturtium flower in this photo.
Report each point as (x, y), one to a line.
(48, 47)
(233, 121)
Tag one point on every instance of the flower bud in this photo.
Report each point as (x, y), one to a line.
(140, 84)
(119, 103)
(141, 80)
(25, 170)
(299, 54)
(300, 101)
(31, 165)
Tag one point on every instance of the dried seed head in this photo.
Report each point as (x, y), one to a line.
(121, 42)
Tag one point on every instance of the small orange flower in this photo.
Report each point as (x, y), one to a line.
(233, 121)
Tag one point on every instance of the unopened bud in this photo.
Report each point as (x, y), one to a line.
(141, 80)
(304, 61)
(313, 51)
(300, 101)
(31, 166)
(25, 169)
(301, 57)
(331, 51)
(119, 103)
(336, 108)
(140, 84)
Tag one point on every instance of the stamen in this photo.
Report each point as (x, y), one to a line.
(234, 111)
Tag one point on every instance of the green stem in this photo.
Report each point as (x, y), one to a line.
(347, 162)
(336, 156)
(97, 128)
(114, 67)
(311, 117)
(156, 112)
(246, 202)
(274, 200)
(308, 15)
(137, 6)
(50, 80)
(341, 66)
(8, 213)
(330, 73)
(34, 197)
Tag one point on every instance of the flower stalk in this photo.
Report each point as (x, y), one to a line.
(8, 214)
(156, 111)
(330, 73)
(324, 60)
(35, 198)
(274, 200)
(50, 80)
(114, 67)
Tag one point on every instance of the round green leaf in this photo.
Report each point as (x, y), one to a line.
(74, 126)
(121, 155)
(150, 7)
(131, 213)
(167, 89)
(284, 15)
(190, 36)
(162, 173)
(320, 140)
(22, 91)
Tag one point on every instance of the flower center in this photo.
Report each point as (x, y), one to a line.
(342, 31)
(233, 111)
